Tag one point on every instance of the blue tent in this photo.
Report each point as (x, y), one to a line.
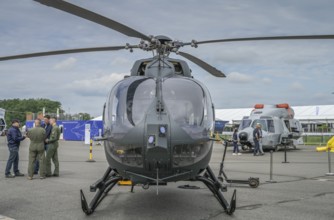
(219, 125)
(75, 130)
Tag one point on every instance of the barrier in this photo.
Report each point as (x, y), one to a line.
(271, 169)
(329, 164)
(285, 156)
(90, 152)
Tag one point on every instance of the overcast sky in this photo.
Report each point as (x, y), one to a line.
(296, 72)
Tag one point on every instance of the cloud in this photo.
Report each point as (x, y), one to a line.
(120, 61)
(296, 86)
(267, 80)
(302, 68)
(65, 64)
(236, 77)
(98, 86)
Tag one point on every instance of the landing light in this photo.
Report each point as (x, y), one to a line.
(162, 130)
(151, 139)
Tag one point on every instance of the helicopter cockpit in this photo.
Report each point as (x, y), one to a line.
(187, 105)
(267, 124)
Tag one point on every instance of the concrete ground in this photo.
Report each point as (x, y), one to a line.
(302, 191)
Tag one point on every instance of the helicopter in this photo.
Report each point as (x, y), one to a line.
(2, 121)
(278, 125)
(159, 120)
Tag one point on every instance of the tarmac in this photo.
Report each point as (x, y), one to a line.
(302, 191)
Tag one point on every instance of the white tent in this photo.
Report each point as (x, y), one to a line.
(316, 113)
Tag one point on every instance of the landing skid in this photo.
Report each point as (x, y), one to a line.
(211, 181)
(104, 185)
(111, 177)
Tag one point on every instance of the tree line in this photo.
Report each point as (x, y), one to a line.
(18, 108)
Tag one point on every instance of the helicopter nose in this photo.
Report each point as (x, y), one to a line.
(243, 136)
(157, 154)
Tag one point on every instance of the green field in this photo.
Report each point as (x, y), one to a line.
(308, 140)
(316, 140)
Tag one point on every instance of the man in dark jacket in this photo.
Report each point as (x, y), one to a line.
(256, 139)
(48, 128)
(14, 138)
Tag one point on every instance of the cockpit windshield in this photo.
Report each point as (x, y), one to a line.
(245, 123)
(129, 101)
(188, 103)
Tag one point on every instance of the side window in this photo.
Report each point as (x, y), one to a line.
(271, 127)
(287, 124)
(262, 122)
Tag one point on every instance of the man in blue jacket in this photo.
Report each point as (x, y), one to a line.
(14, 138)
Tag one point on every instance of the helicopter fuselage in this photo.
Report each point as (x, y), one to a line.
(158, 123)
(277, 124)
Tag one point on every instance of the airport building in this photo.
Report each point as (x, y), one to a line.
(314, 119)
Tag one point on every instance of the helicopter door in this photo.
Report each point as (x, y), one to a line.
(2, 125)
(287, 125)
(294, 125)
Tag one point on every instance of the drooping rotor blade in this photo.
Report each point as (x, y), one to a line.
(202, 64)
(58, 52)
(94, 17)
(300, 37)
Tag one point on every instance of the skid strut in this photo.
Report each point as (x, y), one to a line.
(103, 186)
(210, 180)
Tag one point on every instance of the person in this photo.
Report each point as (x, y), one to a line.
(36, 149)
(14, 138)
(260, 141)
(52, 152)
(48, 127)
(256, 139)
(235, 142)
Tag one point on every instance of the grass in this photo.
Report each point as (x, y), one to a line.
(316, 140)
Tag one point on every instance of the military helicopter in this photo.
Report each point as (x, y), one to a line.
(158, 121)
(2, 121)
(278, 125)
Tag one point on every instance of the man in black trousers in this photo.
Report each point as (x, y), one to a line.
(14, 138)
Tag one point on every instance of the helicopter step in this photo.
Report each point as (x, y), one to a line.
(253, 182)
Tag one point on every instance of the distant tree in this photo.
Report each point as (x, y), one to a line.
(17, 108)
(82, 116)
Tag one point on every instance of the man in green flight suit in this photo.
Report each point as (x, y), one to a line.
(52, 152)
(36, 149)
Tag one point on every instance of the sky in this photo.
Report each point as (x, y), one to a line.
(296, 72)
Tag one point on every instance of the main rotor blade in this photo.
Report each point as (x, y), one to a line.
(202, 64)
(298, 37)
(58, 52)
(94, 17)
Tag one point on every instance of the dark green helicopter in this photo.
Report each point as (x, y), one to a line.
(158, 121)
